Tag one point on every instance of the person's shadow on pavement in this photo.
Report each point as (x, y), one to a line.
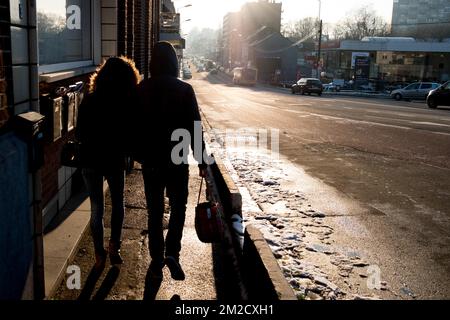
(152, 285)
(105, 287)
(107, 284)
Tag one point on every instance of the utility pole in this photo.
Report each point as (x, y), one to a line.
(320, 38)
(320, 48)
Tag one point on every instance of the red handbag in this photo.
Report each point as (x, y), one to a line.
(208, 221)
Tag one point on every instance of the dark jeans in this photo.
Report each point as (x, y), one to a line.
(94, 184)
(176, 181)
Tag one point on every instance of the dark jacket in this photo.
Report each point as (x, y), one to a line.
(166, 104)
(103, 131)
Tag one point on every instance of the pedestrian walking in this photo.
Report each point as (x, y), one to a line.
(168, 106)
(103, 130)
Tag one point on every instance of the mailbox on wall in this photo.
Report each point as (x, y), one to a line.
(51, 108)
(30, 127)
(79, 95)
(61, 110)
(70, 106)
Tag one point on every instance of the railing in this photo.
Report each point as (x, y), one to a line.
(170, 22)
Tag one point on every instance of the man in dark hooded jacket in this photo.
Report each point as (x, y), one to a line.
(167, 105)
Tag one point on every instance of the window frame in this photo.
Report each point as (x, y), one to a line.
(409, 87)
(426, 86)
(64, 66)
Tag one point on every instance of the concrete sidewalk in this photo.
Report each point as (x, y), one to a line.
(199, 261)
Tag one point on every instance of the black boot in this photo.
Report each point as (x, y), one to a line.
(100, 260)
(114, 253)
(175, 268)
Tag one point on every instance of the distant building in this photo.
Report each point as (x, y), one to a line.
(424, 19)
(391, 59)
(258, 14)
(251, 37)
(231, 39)
(274, 55)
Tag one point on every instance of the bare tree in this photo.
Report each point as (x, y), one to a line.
(302, 29)
(360, 23)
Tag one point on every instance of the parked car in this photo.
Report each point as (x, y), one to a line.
(331, 87)
(308, 85)
(187, 74)
(439, 96)
(416, 90)
(395, 86)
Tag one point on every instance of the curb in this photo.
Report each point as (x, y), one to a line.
(263, 275)
(269, 265)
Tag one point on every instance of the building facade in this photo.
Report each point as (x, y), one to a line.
(390, 59)
(252, 38)
(231, 40)
(170, 28)
(255, 15)
(273, 55)
(423, 19)
(48, 50)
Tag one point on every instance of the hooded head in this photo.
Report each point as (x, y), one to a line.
(164, 60)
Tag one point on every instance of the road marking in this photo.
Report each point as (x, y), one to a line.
(326, 117)
(299, 104)
(373, 104)
(430, 123)
(296, 111)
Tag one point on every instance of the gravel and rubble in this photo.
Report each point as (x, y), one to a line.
(299, 235)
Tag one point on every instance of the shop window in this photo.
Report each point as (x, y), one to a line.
(64, 34)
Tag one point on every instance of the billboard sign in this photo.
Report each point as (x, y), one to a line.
(362, 68)
(358, 54)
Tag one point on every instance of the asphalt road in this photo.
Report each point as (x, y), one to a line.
(388, 161)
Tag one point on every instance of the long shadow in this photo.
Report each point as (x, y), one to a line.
(105, 287)
(107, 284)
(227, 286)
(152, 286)
(80, 195)
(89, 286)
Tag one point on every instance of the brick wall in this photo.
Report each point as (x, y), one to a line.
(121, 27)
(5, 64)
(137, 31)
(109, 12)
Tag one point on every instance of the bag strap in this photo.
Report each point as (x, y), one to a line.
(200, 191)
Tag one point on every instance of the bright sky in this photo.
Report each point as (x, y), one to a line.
(52, 6)
(209, 13)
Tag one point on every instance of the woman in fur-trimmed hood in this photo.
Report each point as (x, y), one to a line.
(103, 129)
